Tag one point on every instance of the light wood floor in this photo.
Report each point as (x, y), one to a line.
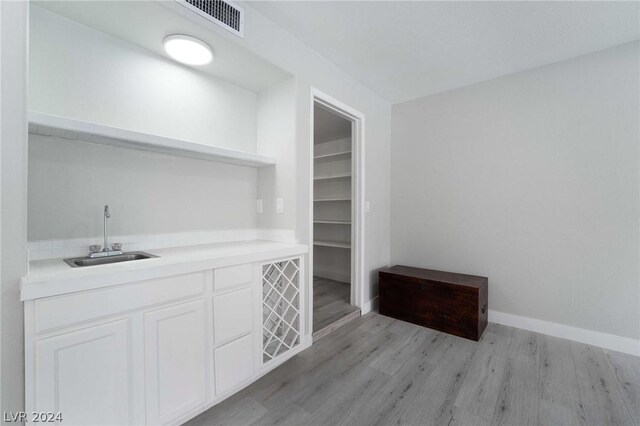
(331, 305)
(376, 370)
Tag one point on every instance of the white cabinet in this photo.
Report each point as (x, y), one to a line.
(234, 363)
(175, 361)
(232, 315)
(161, 350)
(85, 375)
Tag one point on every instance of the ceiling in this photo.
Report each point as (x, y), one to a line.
(328, 126)
(405, 50)
(146, 23)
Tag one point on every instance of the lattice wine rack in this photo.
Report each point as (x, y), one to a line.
(280, 308)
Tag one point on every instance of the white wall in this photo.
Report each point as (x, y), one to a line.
(13, 227)
(81, 73)
(532, 180)
(312, 70)
(148, 193)
(96, 95)
(276, 138)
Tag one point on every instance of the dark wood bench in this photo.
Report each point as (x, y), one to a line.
(452, 303)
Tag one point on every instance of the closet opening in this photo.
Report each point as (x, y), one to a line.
(336, 222)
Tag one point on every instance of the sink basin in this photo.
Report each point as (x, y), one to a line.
(78, 262)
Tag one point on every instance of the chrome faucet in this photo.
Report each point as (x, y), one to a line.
(94, 250)
(107, 215)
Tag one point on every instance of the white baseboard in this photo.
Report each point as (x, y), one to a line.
(582, 335)
(369, 306)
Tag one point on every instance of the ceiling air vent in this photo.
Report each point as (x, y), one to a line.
(223, 13)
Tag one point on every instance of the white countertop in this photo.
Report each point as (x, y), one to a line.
(54, 277)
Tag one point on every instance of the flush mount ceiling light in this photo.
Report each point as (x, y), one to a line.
(188, 50)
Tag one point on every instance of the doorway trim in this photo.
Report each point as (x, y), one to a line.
(357, 120)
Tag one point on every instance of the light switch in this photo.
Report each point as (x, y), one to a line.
(367, 207)
(279, 205)
(259, 208)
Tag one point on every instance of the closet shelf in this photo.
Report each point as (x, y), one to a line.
(336, 244)
(326, 200)
(334, 222)
(333, 155)
(52, 125)
(332, 177)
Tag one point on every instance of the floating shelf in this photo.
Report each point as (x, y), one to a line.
(331, 177)
(326, 200)
(336, 244)
(68, 128)
(333, 156)
(334, 222)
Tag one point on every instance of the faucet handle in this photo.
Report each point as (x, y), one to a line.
(116, 246)
(94, 248)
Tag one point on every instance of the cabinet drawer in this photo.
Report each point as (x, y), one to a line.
(232, 315)
(61, 311)
(232, 276)
(233, 364)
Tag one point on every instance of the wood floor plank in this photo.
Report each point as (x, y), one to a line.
(559, 398)
(335, 325)
(435, 401)
(294, 372)
(394, 357)
(464, 418)
(396, 396)
(601, 401)
(237, 411)
(338, 404)
(524, 344)
(340, 371)
(626, 369)
(287, 414)
(330, 305)
(518, 401)
(331, 360)
(297, 379)
(481, 387)
(377, 370)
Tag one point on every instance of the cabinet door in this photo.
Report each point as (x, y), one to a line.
(232, 315)
(234, 363)
(175, 357)
(85, 375)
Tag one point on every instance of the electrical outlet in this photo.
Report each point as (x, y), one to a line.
(367, 207)
(279, 205)
(259, 208)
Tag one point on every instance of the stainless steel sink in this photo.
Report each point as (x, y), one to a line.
(78, 262)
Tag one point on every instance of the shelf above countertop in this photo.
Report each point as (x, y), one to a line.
(53, 125)
(326, 200)
(336, 244)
